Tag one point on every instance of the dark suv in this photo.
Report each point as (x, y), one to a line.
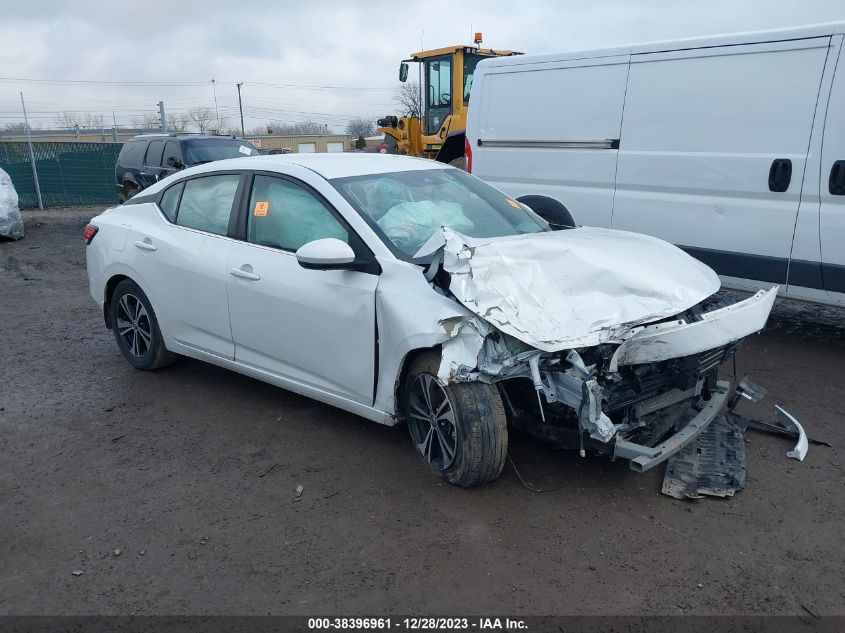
(148, 158)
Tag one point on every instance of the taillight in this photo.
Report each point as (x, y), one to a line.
(468, 154)
(89, 233)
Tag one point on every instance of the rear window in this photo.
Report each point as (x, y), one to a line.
(132, 152)
(154, 152)
(210, 149)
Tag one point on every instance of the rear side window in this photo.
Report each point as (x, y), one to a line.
(170, 201)
(154, 152)
(132, 153)
(285, 215)
(207, 203)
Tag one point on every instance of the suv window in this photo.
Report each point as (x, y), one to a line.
(154, 151)
(207, 203)
(205, 150)
(170, 200)
(171, 150)
(285, 215)
(132, 153)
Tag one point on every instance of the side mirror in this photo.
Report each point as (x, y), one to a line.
(327, 254)
(173, 162)
(403, 72)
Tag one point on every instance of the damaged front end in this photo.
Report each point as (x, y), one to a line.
(593, 363)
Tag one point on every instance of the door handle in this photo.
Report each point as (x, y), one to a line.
(836, 183)
(240, 273)
(145, 245)
(780, 175)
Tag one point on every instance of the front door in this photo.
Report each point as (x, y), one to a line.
(314, 327)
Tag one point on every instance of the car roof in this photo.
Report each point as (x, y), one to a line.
(329, 166)
(158, 136)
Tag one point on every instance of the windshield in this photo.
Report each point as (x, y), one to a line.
(208, 149)
(407, 207)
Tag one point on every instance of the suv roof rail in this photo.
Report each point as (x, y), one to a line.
(175, 134)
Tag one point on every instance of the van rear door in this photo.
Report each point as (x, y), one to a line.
(832, 211)
(713, 149)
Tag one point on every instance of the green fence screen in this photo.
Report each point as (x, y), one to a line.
(69, 173)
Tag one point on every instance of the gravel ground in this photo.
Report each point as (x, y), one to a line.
(173, 492)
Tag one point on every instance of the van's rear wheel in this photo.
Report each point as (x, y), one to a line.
(459, 430)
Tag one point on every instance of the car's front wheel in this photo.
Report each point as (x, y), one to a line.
(459, 430)
(136, 329)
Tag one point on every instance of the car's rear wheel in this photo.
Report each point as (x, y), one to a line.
(459, 430)
(136, 328)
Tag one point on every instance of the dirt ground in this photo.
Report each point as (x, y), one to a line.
(190, 473)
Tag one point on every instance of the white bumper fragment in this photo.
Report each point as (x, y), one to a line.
(673, 339)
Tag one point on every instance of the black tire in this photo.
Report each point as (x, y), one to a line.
(479, 435)
(136, 328)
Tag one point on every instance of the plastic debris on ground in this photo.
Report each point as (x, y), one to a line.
(713, 465)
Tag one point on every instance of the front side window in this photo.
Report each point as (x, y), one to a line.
(285, 215)
(154, 152)
(171, 150)
(207, 203)
(407, 207)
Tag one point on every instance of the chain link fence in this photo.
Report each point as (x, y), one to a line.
(75, 173)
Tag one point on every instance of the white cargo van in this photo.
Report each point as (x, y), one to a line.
(732, 147)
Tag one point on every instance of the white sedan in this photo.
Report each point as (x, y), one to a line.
(401, 289)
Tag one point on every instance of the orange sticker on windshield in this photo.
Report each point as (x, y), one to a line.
(514, 204)
(261, 209)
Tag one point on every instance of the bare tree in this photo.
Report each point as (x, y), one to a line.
(68, 120)
(361, 127)
(177, 122)
(407, 97)
(202, 118)
(147, 121)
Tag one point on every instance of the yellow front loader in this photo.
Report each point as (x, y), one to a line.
(445, 76)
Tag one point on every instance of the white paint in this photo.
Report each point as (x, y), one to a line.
(671, 339)
(573, 288)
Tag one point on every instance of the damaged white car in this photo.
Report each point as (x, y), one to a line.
(404, 290)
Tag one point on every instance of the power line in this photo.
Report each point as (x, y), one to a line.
(186, 83)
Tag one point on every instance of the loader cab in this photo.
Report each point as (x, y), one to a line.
(445, 78)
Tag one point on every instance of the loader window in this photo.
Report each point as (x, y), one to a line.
(470, 62)
(438, 71)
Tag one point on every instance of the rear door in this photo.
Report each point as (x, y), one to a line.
(713, 151)
(183, 256)
(832, 212)
(314, 327)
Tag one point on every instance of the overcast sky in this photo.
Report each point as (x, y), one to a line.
(346, 53)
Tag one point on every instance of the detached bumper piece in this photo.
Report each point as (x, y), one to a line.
(643, 458)
(713, 465)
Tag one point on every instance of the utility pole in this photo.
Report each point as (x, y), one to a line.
(161, 117)
(241, 108)
(114, 128)
(32, 156)
(216, 113)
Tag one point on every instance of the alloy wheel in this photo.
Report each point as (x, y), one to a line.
(133, 325)
(432, 422)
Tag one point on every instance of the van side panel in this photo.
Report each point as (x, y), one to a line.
(832, 189)
(559, 122)
(701, 130)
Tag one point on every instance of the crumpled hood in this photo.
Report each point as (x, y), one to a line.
(574, 288)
